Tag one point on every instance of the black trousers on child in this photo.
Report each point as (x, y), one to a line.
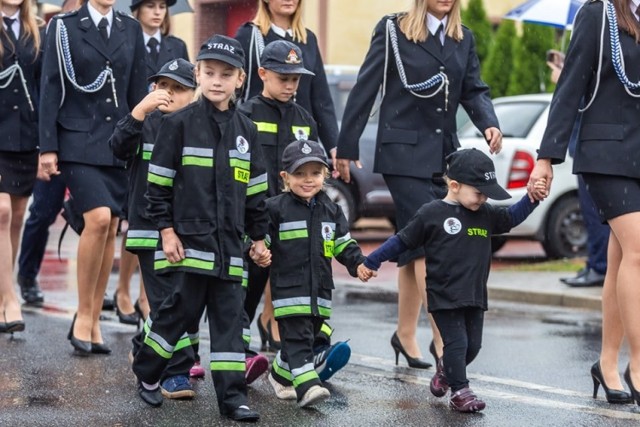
(293, 364)
(461, 331)
(223, 301)
(158, 288)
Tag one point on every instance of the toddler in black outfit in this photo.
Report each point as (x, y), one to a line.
(456, 235)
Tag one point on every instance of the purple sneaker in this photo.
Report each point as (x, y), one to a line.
(439, 385)
(196, 371)
(465, 400)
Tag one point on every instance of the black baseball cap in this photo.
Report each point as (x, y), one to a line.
(222, 48)
(301, 152)
(137, 3)
(179, 70)
(472, 167)
(283, 57)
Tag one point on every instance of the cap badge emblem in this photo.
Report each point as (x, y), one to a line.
(292, 58)
(306, 149)
(173, 66)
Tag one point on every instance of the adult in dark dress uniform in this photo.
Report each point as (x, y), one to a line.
(160, 48)
(282, 20)
(19, 82)
(92, 75)
(426, 63)
(602, 66)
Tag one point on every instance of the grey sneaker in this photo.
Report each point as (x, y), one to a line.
(315, 394)
(282, 391)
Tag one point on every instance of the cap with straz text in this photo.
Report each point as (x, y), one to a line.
(222, 48)
(473, 167)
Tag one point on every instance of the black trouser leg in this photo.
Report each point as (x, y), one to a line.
(297, 335)
(258, 278)
(169, 322)
(225, 312)
(461, 331)
(159, 288)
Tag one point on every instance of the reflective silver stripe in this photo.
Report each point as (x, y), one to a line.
(200, 152)
(238, 155)
(161, 341)
(258, 180)
(245, 274)
(295, 225)
(281, 363)
(291, 301)
(235, 261)
(159, 170)
(146, 234)
(147, 147)
(302, 370)
(205, 256)
(324, 302)
(159, 255)
(267, 240)
(194, 336)
(341, 240)
(246, 332)
(231, 357)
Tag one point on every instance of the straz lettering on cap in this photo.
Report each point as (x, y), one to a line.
(489, 176)
(222, 46)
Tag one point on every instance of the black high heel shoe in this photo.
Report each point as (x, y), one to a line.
(11, 327)
(635, 394)
(126, 318)
(82, 348)
(266, 337)
(414, 362)
(432, 350)
(100, 348)
(141, 317)
(613, 396)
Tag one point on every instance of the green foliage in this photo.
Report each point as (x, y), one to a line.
(496, 70)
(530, 72)
(475, 17)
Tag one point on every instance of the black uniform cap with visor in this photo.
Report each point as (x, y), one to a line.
(222, 48)
(474, 168)
(283, 57)
(302, 152)
(137, 3)
(179, 70)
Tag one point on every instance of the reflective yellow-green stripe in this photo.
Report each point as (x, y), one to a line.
(307, 376)
(291, 310)
(235, 271)
(238, 163)
(142, 243)
(258, 188)
(294, 234)
(197, 161)
(187, 262)
(146, 155)
(157, 348)
(183, 343)
(267, 127)
(338, 250)
(228, 366)
(323, 311)
(159, 180)
(281, 371)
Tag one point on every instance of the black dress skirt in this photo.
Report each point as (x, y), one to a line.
(95, 186)
(18, 170)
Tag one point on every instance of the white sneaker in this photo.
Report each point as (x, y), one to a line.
(315, 394)
(282, 392)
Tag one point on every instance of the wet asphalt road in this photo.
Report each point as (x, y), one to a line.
(533, 370)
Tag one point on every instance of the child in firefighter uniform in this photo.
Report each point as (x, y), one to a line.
(173, 88)
(306, 230)
(279, 121)
(206, 190)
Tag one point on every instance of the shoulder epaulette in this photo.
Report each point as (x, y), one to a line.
(125, 14)
(67, 14)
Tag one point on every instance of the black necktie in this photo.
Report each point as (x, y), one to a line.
(153, 49)
(438, 35)
(102, 27)
(9, 23)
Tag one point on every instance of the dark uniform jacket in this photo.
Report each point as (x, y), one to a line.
(18, 124)
(279, 124)
(132, 141)
(313, 92)
(304, 238)
(207, 181)
(80, 129)
(609, 141)
(415, 134)
(171, 47)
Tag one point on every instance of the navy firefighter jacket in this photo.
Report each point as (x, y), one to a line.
(304, 239)
(207, 181)
(132, 141)
(279, 124)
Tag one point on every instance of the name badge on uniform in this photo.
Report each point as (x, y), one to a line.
(327, 235)
(241, 175)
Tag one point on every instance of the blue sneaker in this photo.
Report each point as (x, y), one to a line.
(330, 359)
(177, 387)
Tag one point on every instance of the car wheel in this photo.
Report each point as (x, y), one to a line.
(566, 234)
(340, 193)
(497, 242)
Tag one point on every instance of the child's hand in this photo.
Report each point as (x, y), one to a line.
(153, 100)
(364, 274)
(260, 254)
(540, 187)
(172, 246)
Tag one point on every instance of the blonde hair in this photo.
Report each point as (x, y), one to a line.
(31, 26)
(262, 20)
(413, 24)
(165, 27)
(197, 95)
(285, 183)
